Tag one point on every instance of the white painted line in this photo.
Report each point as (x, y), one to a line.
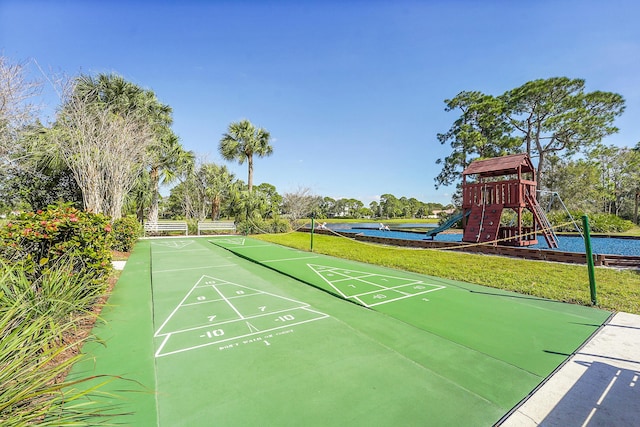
(385, 288)
(184, 251)
(397, 299)
(195, 268)
(226, 322)
(215, 288)
(164, 341)
(591, 414)
(325, 272)
(291, 259)
(436, 288)
(342, 294)
(177, 307)
(353, 277)
(324, 316)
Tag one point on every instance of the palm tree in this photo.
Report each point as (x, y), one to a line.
(139, 196)
(167, 159)
(218, 181)
(242, 141)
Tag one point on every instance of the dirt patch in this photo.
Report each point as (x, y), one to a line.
(120, 256)
(73, 340)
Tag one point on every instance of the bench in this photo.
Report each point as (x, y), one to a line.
(216, 226)
(160, 226)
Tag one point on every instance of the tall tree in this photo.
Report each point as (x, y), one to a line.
(17, 109)
(326, 207)
(300, 203)
(480, 131)
(390, 205)
(375, 208)
(242, 141)
(104, 149)
(619, 176)
(541, 117)
(555, 115)
(42, 178)
(167, 159)
(636, 149)
(165, 154)
(274, 199)
(577, 182)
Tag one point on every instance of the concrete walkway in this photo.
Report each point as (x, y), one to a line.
(119, 265)
(598, 386)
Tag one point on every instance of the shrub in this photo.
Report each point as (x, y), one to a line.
(250, 227)
(37, 240)
(261, 226)
(278, 225)
(126, 232)
(192, 226)
(598, 222)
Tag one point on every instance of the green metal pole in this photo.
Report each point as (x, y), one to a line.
(312, 228)
(589, 253)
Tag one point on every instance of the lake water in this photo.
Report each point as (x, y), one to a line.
(599, 245)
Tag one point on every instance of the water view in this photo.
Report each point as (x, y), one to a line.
(600, 245)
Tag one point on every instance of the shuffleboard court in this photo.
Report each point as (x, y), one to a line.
(533, 334)
(214, 337)
(240, 344)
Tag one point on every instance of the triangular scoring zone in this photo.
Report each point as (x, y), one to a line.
(371, 289)
(216, 310)
(174, 244)
(231, 241)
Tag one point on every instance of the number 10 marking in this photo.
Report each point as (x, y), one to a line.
(215, 333)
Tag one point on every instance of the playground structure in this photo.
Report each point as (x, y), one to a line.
(500, 183)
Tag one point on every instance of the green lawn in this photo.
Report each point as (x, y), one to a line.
(617, 290)
(635, 231)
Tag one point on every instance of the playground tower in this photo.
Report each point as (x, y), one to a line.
(499, 183)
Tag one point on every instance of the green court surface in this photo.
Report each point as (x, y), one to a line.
(235, 331)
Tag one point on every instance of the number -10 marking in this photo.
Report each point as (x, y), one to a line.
(215, 333)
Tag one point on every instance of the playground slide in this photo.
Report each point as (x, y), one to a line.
(447, 224)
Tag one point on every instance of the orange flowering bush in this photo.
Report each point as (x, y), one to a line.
(37, 240)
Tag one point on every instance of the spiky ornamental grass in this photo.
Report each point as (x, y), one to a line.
(36, 320)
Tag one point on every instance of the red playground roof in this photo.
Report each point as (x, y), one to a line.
(498, 166)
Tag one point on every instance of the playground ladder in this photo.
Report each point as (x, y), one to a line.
(541, 218)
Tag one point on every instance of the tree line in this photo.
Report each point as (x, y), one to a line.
(213, 192)
(111, 147)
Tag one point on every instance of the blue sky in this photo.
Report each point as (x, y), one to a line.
(352, 91)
